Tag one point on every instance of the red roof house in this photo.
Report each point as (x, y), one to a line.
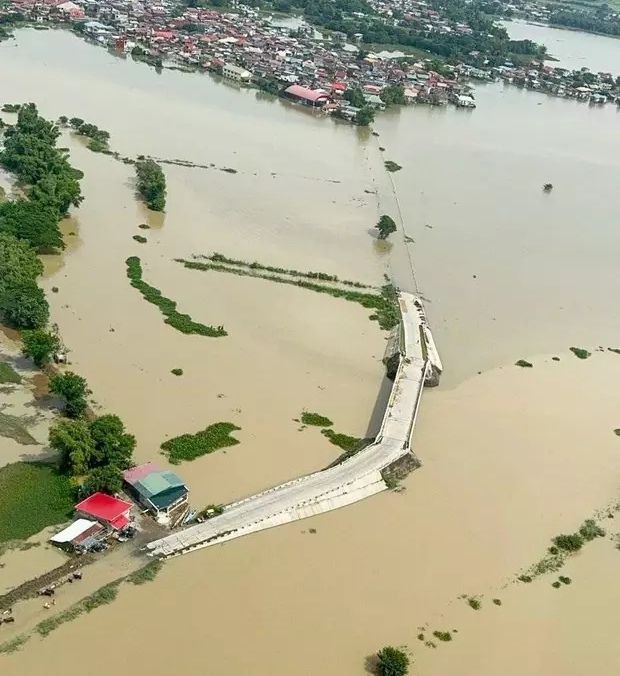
(313, 97)
(106, 509)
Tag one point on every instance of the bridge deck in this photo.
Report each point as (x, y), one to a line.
(354, 479)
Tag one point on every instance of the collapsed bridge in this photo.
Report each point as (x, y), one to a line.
(356, 478)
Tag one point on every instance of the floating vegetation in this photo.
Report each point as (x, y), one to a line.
(497, 602)
(569, 543)
(616, 350)
(564, 580)
(617, 431)
(177, 372)
(591, 530)
(474, 602)
(192, 446)
(580, 352)
(317, 419)
(178, 321)
(556, 585)
(524, 364)
(385, 304)
(525, 578)
(443, 635)
(392, 166)
(140, 238)
(144, 226)
(8, 375)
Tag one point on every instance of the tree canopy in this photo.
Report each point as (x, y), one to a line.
(112, 445)
(386, 226)
(151, 184)
(73, 389)
(365, 116)
(40, 346)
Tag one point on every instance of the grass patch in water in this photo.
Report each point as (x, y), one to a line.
(443, 635)
(316, 419)
(12, 427)
(384, 304)
(140, 238)
(524, 364)
(564, 580)
(177, 372)
(181, 322)
(474, 602)
(101, 597)
(8, 375)
(33, 496)
(192, 446)
(13, 645)
(497, 602)
(145, 574)
(580, 352)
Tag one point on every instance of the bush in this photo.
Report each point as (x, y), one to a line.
(392, 662)
(40, 346)
(569, 543)
(73, 389)
(590, 530)
(191, 446)
(107, 479)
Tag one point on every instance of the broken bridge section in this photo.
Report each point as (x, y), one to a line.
(356, 478)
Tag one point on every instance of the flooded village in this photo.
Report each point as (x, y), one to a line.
(448, 566)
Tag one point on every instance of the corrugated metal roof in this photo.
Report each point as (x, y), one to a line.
(72, 531)
(158, 482)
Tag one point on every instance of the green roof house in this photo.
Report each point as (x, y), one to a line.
(161, 492)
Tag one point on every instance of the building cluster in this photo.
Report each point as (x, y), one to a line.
(299, 63)
(101, 518)
(249, 48)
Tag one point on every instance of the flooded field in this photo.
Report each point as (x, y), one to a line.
(511, 457)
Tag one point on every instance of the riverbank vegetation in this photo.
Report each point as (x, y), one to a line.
(181, 322)
(34, 496)
(385, 304)
(147, 573)
(73, 390)
(151, 183)
(40, 346)
(51, 184)
(192, 446)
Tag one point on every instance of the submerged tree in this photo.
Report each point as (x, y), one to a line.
(365, 116)
(385, 226)
(151, 184)
(73, 389)
(40, 346)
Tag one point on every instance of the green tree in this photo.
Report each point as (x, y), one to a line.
(355, 97)
(386, 226)
(364, 116)
(108, 479)
(36, 221)
(393, 95)
(40, 346)
(151, 184)
(112, 444)
(73, 389)
(72, 440)
(18, 261)
(392, 662)
(23, 305)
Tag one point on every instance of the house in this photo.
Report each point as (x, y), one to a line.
(76, 534)
(107, 510)
(164, 494)
(235, 73)
(310, 97)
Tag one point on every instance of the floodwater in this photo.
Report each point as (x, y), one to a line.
(572, 49)
(510, 457)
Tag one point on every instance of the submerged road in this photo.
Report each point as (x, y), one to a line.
(354, 479)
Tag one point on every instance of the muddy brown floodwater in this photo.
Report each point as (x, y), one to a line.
(511, 457)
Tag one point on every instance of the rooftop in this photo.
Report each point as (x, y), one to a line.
(103, 506)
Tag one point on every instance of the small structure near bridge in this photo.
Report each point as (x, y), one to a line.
(164, 494)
